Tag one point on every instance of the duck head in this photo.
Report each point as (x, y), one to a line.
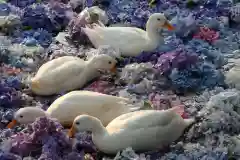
(26, 115)
(85, 123)
(103, 62)
(158, 20)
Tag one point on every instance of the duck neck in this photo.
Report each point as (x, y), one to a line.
(152, 33)
(90, 69)
(99, 130)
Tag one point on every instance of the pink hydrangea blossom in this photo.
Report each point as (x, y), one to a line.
(100, 86)
(163, 102)
(207, 34)
(9, 70)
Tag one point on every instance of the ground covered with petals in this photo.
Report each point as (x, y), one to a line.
(191, 68)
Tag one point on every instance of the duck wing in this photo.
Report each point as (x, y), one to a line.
(118, 37)
(141, 119)
(49, 66)
(66, 71)
(89, 95)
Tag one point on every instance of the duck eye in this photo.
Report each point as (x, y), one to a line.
(159, 19)
(109, 62)
(21, 116)
(77, 123)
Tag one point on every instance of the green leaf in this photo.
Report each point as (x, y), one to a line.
(152, 3)
(147, 105)
(27, 27)
(191, 4)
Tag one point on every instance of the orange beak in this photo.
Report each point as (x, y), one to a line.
(114, 69)
(12, 124)
(168, 26)
(71, 132)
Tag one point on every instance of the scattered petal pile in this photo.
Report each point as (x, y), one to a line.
(196, 66)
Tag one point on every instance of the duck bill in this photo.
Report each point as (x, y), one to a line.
(113, 69)
(71, 132)
(12, 124)
(168, 26)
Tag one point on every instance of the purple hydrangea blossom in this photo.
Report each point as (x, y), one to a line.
(179, 59)
(22, 3)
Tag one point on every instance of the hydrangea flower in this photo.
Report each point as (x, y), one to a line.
(100, 86)
(197, 152)
(138, 101)
(4, 9)
(84, 142)
(219, 115)
(43, 133)
(205, 76)
(59, 13)
(37, 21)
(52, 17)
(207, 34)
(34, 37)
(22, 3)
(9, 156)
(56, 50)
(10, 23)
(10, 97)
(77, 5)
(134, 12)
(144, 86)
(170, 43)
(179, 59)
(35, 16)
(133, 73)
(207, 52)
(129, 153)
(163, 102)
(235, 13)
(185, 26)
(113, 52)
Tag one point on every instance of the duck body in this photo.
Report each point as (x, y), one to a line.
(130, 41)
(143, 130)
(60, 75)
(104, 107)
(67, 73)
(67, 107)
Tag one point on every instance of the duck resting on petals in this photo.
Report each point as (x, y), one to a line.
(68, 73)
(67, 107)
(143, 130)
(130, 41)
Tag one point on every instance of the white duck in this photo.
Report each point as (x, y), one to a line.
(232, 77)
(129, 40)
(68, 73)
(67, 107)
(143, 130)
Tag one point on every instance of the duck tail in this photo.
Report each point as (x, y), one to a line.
(189, 121)
(94, 36)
